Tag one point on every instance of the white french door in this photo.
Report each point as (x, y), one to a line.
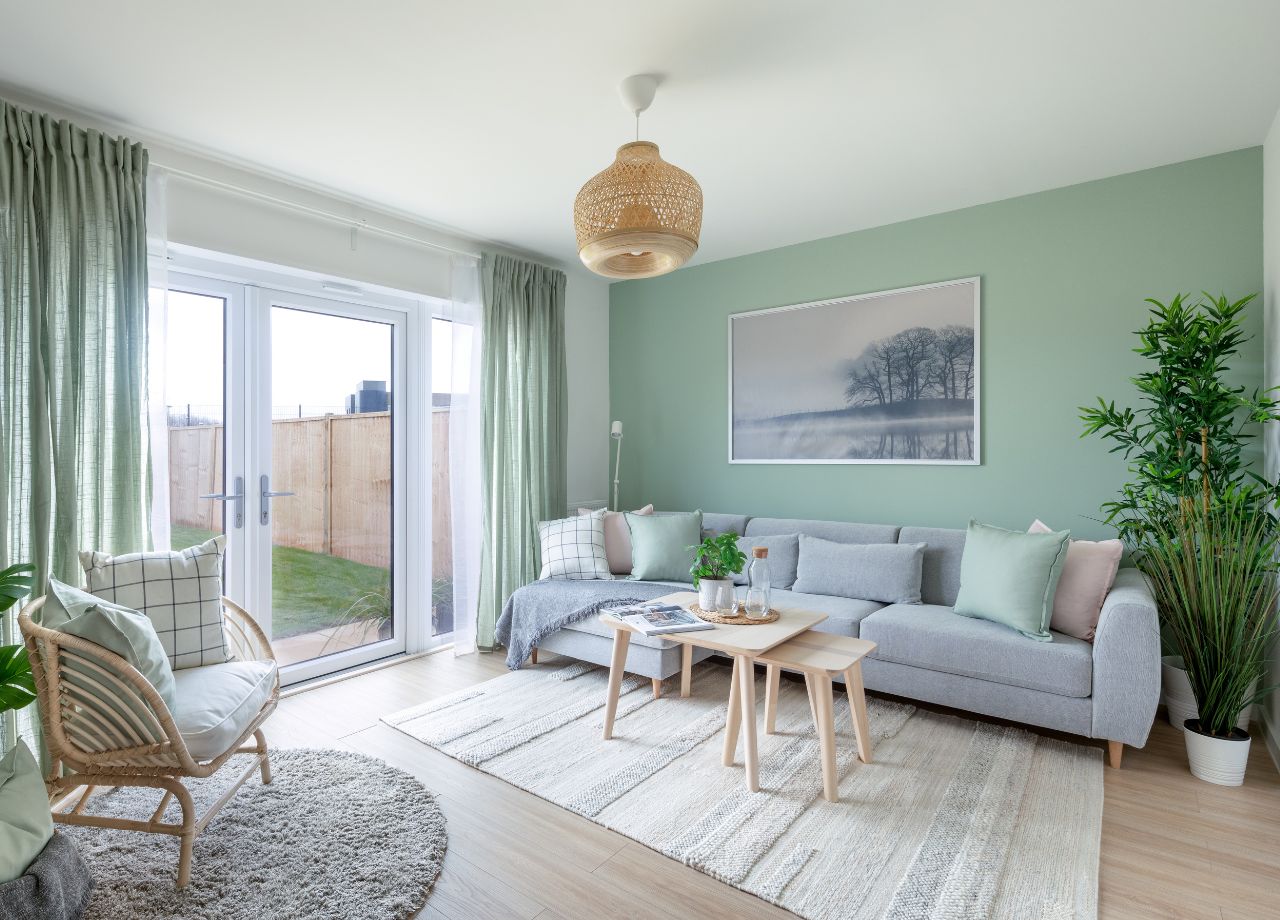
(300, 454)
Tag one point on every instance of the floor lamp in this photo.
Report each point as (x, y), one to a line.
(616, 433)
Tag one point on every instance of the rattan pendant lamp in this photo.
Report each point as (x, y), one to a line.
(640, 217)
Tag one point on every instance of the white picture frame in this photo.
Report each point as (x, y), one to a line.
(801, 432)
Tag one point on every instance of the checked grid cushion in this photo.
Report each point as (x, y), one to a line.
(179, 591)
(573, 548)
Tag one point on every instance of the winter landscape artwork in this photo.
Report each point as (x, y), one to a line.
(890, 377)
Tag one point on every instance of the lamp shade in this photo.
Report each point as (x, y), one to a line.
(640, 217)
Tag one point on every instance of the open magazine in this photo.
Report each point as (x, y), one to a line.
(658, 619)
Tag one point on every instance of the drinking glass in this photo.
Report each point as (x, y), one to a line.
(757, 603)
(726, 601)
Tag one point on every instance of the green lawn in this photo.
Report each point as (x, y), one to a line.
(309, 591)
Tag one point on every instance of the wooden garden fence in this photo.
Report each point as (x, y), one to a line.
(339, 469)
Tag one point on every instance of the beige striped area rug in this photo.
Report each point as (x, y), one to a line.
(954, 819)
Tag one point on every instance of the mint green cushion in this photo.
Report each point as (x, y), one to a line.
(1010, 577)
(128, 633)
(25, 823)
(662, 545)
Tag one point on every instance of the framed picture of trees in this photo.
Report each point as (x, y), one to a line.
(889, 377)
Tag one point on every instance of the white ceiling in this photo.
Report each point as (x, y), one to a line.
(800, 118)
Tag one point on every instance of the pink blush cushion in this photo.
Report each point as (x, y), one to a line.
(617, 539)
(1087, 575)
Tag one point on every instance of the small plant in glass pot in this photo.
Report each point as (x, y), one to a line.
(716, 560)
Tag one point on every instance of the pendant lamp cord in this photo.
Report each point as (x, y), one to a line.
(637, 126)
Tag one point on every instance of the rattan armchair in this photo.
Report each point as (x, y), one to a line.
(107, 726)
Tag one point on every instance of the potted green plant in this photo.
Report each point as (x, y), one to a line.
(17, 688)
(1213, 570)
(716, 560)
(1186, 443)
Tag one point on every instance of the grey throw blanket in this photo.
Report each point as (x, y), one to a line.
(539, 609)
(55, 887)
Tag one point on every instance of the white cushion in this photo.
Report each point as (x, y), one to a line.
(573, 548)
(216, 703)
(180, 592)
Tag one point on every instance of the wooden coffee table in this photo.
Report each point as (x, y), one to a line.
(742, 643)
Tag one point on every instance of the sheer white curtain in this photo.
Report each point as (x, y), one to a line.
(464, 313)
(157, 330)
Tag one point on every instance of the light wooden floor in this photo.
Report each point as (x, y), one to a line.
(1172, 846)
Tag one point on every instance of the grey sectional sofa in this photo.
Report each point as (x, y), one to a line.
(1106, 689)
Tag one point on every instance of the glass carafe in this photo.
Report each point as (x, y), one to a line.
(758, 584)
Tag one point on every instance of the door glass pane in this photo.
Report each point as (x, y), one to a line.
(194, 393)
(450, 373)
(331, 575)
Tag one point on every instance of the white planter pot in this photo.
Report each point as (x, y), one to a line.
(1178, 699)
(1217, 760)
(707, 588)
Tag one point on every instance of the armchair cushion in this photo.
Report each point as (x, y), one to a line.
(25, 823)
(118, 629)
(180, 591)
(216, 703)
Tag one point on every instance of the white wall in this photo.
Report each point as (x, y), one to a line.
(217, 218)
(1271, 333)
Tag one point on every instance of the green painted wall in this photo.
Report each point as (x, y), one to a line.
(1064, 274)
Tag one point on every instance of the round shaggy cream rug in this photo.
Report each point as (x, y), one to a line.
(336, 834)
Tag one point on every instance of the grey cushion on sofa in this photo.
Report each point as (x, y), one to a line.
(887, 572)
(714, 524)
(844, 614)
(940, 577)
(839, 531)
(933, 637)
(784, 553)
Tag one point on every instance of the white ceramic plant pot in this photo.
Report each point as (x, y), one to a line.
(1217, 760)
(1179, 701)
(707, 588)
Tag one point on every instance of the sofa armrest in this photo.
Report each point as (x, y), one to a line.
(1126, 662)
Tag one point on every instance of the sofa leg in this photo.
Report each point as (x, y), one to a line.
(533, 656)
(1115, 750)
(657, 688)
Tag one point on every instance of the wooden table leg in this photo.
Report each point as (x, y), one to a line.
(621, 639)
(858, 708)
(813, 704)
(732, 722)
(686, 670)
(773, 676)
(750, 753)
(826, 734)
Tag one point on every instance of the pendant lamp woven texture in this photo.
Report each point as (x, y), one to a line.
(640, 217)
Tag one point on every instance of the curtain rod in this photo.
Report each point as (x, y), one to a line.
(355, 222)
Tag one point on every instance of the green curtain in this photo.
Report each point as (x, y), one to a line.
(525, 413)
(73, 286)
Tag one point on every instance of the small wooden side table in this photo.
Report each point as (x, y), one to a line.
(820, 657)
(743, 643)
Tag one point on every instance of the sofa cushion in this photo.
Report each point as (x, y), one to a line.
(128, 633)
(25, 823)
(1009, 577)
(940, 574)
(933, 637)
(844, 614)
(784, 553)
(216, 703)
(839, 531)
(617, 538)
(663, 546)
(572, 548)
(887, 572)
(181, 592)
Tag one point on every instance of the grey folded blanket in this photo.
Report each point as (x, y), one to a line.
(55, 887)
(540, 608)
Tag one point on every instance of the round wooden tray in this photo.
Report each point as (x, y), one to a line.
(740, 619)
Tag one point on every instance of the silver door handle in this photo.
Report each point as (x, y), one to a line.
(237, 500)
(265, 483)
